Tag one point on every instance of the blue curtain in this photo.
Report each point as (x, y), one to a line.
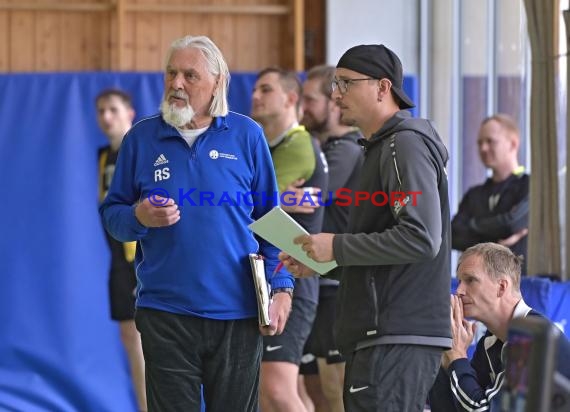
(59, 350)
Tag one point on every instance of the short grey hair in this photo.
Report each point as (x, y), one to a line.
(217, 66)
(326, 75)
(498, 261)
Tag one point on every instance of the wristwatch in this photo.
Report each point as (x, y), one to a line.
(282, 290)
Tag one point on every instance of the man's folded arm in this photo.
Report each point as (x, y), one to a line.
(468, 394)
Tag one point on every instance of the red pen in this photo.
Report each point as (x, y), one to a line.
(278, 268)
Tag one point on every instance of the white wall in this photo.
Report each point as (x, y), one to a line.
(394, 23)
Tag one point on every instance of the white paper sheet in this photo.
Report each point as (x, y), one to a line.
(262, 290)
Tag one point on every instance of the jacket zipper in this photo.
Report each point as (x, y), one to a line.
(374, 299)
(193, 150)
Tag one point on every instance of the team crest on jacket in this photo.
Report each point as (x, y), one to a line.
(399, 204)
(214, 154)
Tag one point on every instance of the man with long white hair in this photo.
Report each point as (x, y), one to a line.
(183, 189)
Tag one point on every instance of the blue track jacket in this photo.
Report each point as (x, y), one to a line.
(470, 386)
(198, 266)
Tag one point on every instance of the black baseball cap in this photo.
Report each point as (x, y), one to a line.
(378, 62)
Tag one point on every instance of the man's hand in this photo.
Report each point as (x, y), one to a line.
(299, 196)
(462, 333)
(151, 215)
(318, 247)
(279, 310)
(295, 267)
(514, 238)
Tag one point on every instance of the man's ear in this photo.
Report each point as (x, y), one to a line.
(132, 114)
(384, 87)
(515, 142)
(217, 86)
(502, 286)
(292, 98)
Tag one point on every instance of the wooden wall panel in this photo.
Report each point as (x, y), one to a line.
(198, 25)
(73, 46)
(224, 35)
(47, 41)
(248, 56)
(113, 41)
(275, 45)
(128, 49)
(260, 41)
(4, 41)
(171, 27)
(315, 32)
(22, 46)
(147, 39)
(134, 35)
(97, 43)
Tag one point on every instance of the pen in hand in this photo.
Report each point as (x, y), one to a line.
(278, 268)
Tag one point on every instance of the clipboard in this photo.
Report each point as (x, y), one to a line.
(279, 229)
(262, 288)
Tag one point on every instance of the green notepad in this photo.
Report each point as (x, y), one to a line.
(280, 229)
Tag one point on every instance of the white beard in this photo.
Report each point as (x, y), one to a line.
(176, 116)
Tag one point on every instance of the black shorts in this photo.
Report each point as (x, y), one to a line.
(321, 341)
(122, 295)
(390, 378)
(309, 365)
(288, 347)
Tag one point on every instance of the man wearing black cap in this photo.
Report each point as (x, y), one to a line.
(393, 318)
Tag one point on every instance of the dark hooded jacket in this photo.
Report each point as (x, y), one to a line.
(396, 275)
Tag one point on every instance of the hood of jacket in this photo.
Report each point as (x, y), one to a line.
(403, 120)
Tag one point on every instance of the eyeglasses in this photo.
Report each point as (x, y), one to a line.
(342, 84)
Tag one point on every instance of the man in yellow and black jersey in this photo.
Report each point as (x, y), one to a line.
(115, 116)
(297, 159)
